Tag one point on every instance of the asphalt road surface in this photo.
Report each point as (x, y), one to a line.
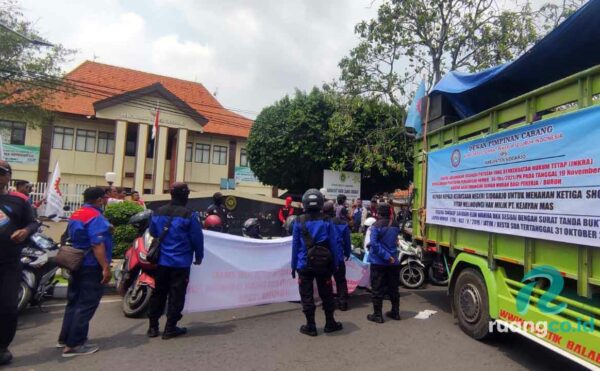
(267, 338)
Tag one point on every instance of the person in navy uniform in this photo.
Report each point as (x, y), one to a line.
(182, 242)
(90, 231)
(322, 233)
(385, 267)
(343, 231)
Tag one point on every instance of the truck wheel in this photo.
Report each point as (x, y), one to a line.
(471, 304)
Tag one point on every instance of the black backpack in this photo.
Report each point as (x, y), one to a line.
(319, 257)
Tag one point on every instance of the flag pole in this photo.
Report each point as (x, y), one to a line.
(424, 152)
(155, 145)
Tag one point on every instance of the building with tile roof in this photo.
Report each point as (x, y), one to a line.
(103, 122)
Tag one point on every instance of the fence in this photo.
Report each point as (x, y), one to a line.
(72, 195)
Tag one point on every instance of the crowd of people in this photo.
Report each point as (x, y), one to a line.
(320, 247)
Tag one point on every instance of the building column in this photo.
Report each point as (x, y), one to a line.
(160, 157)
(181, 146)
(119, 156)
(140, 158)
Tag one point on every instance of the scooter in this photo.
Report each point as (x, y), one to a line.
(412, 271)
(39, 270)
(436, 266)
(135, 277)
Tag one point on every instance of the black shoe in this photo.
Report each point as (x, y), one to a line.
(310, 330)
(333, 326)
(393, 315)
(5, 357)
(173, 332)
(152, 332)
(377, 318)
(343, 306)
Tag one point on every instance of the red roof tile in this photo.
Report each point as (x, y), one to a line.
(102, 81)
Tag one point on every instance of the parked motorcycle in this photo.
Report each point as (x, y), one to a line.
(436, 266)
(412, 271)
(135, 277)
(39, 270)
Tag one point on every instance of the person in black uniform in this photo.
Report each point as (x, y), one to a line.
(16, 224)
(217, 208)
(315, 256)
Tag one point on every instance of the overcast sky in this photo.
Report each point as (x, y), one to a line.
(251, 53)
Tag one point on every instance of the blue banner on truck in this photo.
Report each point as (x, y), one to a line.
(541, 181)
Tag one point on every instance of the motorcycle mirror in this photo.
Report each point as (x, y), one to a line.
(51, 216)
(67, 208)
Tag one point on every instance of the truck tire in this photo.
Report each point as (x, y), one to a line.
(471, 304)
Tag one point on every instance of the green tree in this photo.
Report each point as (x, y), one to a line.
(295, 139)
(409, 39)
(30, 68)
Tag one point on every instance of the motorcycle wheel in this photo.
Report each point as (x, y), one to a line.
(24, 296)
(412, 276)
(433, 277)
(136, 299)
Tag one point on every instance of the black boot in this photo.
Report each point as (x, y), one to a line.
(395, 312)
(153, 329)
(310, 328)
(174, 331)
(376, 316)
(330, 324)
(5, 356)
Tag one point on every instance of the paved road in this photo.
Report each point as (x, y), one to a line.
(266, 338)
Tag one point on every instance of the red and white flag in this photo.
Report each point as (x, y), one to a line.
(155, 126)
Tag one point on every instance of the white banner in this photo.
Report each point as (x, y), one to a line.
(54, 198)
(240, 272)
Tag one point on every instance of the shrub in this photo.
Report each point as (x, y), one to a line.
(123, 237)
(357, 240)
(119, 213)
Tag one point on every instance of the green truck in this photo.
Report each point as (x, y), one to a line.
(510, 196)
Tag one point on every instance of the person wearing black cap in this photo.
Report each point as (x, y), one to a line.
(89, 231)
(315, 256)
(16, 224)
(385, 267)
(217, 208)
(180, 232)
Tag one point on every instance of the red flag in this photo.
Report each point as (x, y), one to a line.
(155, 126)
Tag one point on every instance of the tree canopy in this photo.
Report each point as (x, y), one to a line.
(30, 67)
(412, 39)
(295, 139)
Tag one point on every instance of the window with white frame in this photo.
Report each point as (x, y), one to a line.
(243, 157)
(106, 142)
(86, 140)
(202, 153)
(12, 132)
(188, 152)
(219, 155)
(62, 138)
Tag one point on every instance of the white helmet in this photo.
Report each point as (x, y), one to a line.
(370, 220)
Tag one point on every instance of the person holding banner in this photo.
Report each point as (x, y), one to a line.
(16, 224)
(385, 267)
(179, 234)
(316, 253)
